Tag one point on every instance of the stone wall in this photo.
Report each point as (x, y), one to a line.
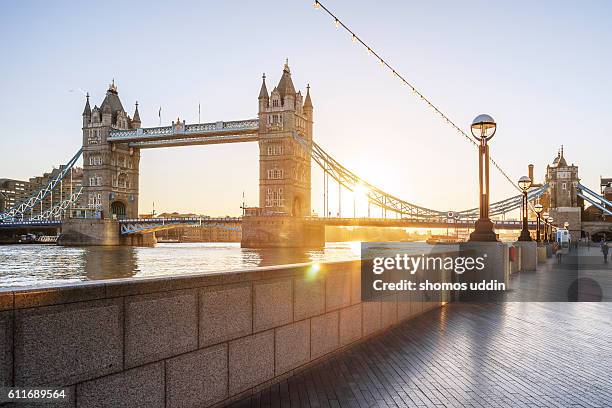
(187, 341)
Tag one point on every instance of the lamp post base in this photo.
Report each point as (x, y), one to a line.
(483, 232)
(525, 236)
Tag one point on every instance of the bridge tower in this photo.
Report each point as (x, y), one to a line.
(285, 142)
(110, 176)
(284, 161)
(561, 198)
(110, 170)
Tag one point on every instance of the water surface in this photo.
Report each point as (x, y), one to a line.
(25, 265)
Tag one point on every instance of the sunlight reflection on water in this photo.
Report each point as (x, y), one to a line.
(25, 265)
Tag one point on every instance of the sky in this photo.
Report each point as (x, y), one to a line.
(541, 69)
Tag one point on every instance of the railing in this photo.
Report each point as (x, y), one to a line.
(182, 129)
(141, 225)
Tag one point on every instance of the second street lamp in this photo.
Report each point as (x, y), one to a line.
(538, 209)
(551, 236)
(545, 218)
(524, 183)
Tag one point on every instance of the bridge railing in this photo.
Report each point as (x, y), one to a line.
(118, 135)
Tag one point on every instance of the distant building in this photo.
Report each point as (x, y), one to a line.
(12, 192)
(70, 184)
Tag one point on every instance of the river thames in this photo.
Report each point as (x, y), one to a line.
(27, 265)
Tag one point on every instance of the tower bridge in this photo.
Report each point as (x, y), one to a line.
(105, 210)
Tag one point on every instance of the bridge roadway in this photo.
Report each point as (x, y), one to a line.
(502, 354)
(144, 225)
(410, 223)
(181, 134)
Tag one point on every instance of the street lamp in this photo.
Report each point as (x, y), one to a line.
(483, 128)
(524, 183)
(538, 209)
(545, 218)
(550, 222)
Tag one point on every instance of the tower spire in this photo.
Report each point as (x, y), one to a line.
(263, 92)
(285, 85)
(308, 101)
(136, 119)
(87, 110)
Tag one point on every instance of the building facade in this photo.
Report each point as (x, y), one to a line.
(12, 192)
(110, 170)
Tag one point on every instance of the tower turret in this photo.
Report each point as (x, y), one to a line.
(308, 102)
(263, 94)
(136, 119)
(86, 112)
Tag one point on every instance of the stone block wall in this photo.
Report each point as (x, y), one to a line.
(187, 341)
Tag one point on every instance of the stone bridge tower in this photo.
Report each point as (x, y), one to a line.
(561, 199)
(110, 170)
(285, 142)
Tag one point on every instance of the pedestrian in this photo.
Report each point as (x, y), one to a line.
(605, 248)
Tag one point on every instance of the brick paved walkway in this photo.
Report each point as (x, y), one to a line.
(462, 355)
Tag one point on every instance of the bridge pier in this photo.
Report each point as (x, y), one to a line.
(281, 232)
(102, 232)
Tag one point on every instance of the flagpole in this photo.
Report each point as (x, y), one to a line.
(199, 113)
(159, 114)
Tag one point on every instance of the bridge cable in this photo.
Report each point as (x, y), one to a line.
(384, 63)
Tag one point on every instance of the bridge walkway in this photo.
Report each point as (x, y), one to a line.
(515, 354)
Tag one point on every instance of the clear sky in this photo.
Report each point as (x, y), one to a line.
(541, 69)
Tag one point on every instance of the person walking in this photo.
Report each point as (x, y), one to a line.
(605, 248)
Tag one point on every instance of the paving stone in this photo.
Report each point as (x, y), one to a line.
(225, 313)
(502, 354)
(139, 387)
(251, 361)
(350, 324)
(309, 297)
(371, 316)
(292, 346)
(6, 349)
(198, 378)
(389, 310)
(160, 325)
(273, 303)
(324, 334)
(65, 344)
(337, 290)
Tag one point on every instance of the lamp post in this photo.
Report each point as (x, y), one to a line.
(545, 218)
(538, 209)
(524, 183)
(483, 128)
(550, 234)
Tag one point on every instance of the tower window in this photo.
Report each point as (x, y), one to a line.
(275, 150)
(564, 186)
(275, 174)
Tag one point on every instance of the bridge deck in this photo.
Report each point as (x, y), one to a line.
(469, 355)
(181, 134)
(410, 223)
